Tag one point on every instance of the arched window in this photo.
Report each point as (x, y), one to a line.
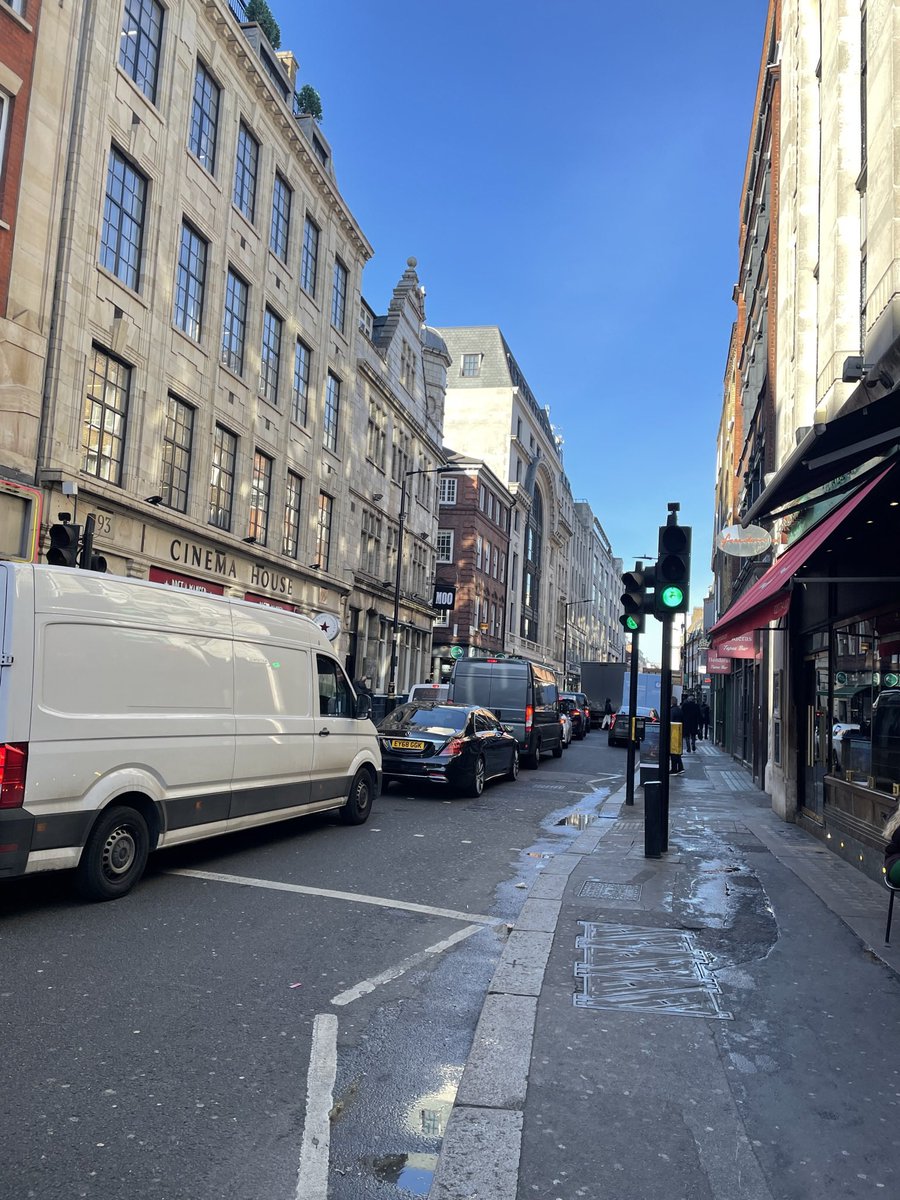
(531, 574)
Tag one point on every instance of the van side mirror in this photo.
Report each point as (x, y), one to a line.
(363, 707)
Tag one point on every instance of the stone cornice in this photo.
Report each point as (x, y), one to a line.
(232, 36)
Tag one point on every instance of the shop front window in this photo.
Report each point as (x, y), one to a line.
(865, 711)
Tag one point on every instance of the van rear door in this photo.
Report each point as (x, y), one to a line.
(16, 649)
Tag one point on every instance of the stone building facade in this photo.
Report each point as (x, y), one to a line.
(492, 414)
(200, 295)
(393, 458)
(473, 540)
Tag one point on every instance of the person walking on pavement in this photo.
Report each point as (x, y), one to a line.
(704, 720)
(690, 710)
(676, 763)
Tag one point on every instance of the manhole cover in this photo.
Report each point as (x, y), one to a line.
(647, 971)
(597, 889)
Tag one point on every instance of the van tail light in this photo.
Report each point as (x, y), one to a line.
(453, 747)
(529, 717)
(13, 764)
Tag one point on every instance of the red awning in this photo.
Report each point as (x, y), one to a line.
(769, 598)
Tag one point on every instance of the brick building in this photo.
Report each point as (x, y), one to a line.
(473, 538)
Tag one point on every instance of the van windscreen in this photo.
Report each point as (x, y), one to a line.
(501, 685)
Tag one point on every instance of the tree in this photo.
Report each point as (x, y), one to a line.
(259, 12)
(309, 103)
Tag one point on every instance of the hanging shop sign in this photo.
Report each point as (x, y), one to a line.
(739, 542)
(743, 646)
(329, 623)
(444, 596)
(718, 666)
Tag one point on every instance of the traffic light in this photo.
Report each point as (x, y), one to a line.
(636, 599)
(89, 560)
(673, 568)
(64, 542)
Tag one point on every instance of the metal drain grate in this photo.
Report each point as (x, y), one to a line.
(596, 889)
(647, 971)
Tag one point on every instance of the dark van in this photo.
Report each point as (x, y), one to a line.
(521, 694)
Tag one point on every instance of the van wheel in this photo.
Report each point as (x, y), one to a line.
(114, 856)
(533, 758)
(557, 750)
(476, 784)
(359, 801)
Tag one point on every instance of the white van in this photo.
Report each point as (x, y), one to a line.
(429, 691)
(135, 716)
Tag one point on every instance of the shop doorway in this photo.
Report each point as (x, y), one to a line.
(815, 733)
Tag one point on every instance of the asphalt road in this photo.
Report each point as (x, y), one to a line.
(277, 1015)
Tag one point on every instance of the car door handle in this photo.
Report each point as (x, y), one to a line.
(324, 732)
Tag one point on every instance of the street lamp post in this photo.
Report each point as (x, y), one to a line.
(395, 635)
(567, 604)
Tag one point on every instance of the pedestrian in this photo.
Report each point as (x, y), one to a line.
(607, 714)
(892, 852)
(704, 720)
(690, 710)
(676, 763)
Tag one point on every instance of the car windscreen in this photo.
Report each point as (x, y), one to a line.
(431, 718)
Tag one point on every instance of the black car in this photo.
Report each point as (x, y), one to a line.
(568, 704)
(580, 712)
(455, 744)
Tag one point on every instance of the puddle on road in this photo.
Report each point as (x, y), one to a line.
(578, 820)
(412, 1173)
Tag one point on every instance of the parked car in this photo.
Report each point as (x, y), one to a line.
(521, 694)
(462, 746)
(618, 731)
(565, 721)
(580, 715)
(135, 716)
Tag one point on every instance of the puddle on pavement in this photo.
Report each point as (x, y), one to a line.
(430, 1113)
(578, 820)
(413, 1174)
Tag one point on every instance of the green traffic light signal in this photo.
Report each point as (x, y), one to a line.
(632, 623)
(672, 597)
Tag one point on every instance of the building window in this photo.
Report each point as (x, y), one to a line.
(332, 412)
(293, 498)
(339, 296)
(471, 365)
(176, 464)
(204, 119)
(123, 220)
(270, 357)
(190, 282)
(246, 159)
(323, 531)
(447, 493)
(366, 321)
(376, 436)
(281, 218)
(444, 546)
(234, 325)
(260, 491)
(105, 413)
(221, 478)
(300, 387)
(370, 542)
(479, 551)
(407, 365)
(309, 261)
(139, 43)
(400, 455)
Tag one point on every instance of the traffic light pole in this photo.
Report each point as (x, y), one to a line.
(632, 723)
(665, 724)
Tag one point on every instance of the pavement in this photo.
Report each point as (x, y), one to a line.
(716, 1024)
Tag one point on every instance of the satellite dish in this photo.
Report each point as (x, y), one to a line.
(329, 624)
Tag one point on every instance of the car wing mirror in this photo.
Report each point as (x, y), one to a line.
(363, 707)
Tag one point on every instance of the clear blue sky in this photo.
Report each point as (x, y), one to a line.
(571, 171)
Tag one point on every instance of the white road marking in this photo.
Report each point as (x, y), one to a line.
(312, 1176)
(369, 985)
(328, 894)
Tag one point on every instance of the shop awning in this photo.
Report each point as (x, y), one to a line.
(769, 598)
(867, 435)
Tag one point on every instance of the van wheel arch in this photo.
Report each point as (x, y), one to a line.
(149, 809)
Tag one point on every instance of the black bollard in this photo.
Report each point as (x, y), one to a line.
(653, 830)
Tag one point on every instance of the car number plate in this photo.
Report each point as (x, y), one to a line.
(406, 744)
